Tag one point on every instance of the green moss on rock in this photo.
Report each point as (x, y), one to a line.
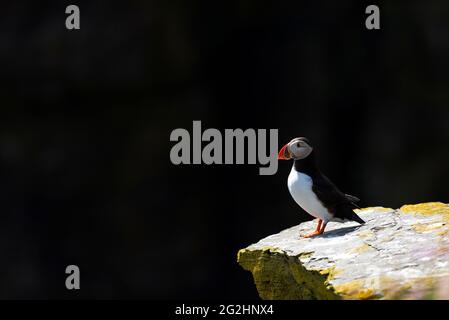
(279, 276)
(397, 254)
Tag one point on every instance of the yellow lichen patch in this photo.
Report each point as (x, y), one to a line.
(361, 249)
(381, 287)
(241, 252)
(443, 250)
(279, 276)
(366, 234)
(388, 239)
(421, 288)
(355, 290)
(397, 292)
(379, 209)
(429, 208)
(330, 274)
(425, 227)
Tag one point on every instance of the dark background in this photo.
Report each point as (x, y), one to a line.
(85, 174)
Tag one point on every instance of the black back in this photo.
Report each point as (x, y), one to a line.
(338, 203)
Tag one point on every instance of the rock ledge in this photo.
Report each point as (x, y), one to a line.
(397, 254)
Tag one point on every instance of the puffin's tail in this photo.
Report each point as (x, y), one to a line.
(346, 212)
(355, 217)
(351, 214)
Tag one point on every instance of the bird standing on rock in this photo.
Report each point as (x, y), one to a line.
(313, 191)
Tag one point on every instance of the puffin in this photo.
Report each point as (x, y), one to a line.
(313, 191)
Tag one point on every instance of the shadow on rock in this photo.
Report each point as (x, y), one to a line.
(339, 232)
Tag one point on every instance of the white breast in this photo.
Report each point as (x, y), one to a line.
(300, 186)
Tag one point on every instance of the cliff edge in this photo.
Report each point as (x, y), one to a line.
(397, 254)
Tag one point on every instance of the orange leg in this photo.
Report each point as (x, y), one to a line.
(319, 229)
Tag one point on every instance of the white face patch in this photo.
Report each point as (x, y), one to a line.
(299, 149)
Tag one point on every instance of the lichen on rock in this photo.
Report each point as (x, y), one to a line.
(397, 254)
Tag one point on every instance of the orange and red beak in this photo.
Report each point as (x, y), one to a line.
(284, 154)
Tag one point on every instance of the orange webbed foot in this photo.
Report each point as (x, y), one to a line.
(313, 234)
(319, 230)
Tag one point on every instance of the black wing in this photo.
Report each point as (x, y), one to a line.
(328, 193)
(334, 200)
(352, 198)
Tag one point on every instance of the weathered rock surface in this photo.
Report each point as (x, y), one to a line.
(397, 254)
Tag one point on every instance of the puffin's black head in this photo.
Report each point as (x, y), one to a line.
(297, 149)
